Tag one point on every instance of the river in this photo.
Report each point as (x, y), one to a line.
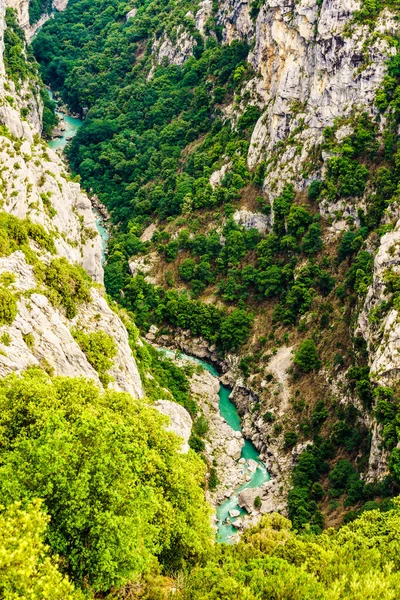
(228, 411)
(72, 124)
(226, 407)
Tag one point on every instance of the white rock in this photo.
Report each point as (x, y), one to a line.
(131, 14)
(250, 220)
(180, 420)
(234, 449)
(252, 465)
(238, 524)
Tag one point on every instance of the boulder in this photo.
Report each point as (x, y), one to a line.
(234, 448)
(180, 420)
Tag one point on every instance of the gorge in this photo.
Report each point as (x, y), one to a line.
(199, 299)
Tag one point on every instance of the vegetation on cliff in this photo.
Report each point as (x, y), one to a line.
(154, 134)
(122, 511)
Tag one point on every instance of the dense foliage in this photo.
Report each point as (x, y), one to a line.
(357, 562)
(111, 478)
(27, 570)
(21, 68)
(153, 136)
(18, 67)
(100, 348)
(37, 8)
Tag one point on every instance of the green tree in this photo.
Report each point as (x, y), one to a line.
(111, 477)
(8, 307)
(100, 348)
(235, 329)
(27, 570)
(306, 357)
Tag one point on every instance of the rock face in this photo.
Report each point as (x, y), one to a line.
(312, 63)
(35, 184)
(22, 9)
(250, 220)
(60, 5)
(174, 52)
(50, 343)
(43, 192)
(180, 420)
(308, 73)
(383, 334)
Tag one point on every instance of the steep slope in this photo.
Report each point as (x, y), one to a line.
(32, 14)
(55, 220)
(97, 490)
(248, 154)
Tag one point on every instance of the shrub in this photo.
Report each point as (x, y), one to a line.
(290, 439)
(306, 357)
(8, 307)
(341, 477)
(315, 189)
(67, 285)
(99, 348)
(269, 417)
(257, 502)
(213, 480)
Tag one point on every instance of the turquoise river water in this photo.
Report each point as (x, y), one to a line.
(226, 407)
(228, 411)
(72, 125)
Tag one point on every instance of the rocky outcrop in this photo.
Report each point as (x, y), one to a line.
(379, 324)
(35, 184)
(180, 421)
(41, 333)
(176, 51)
(313, 64)
(382, 333)
(203, 14)
(251, 220)
(22, 9)
(198, 347)
(44, 192)
(60, 5)
(131, 14)
(311, 68)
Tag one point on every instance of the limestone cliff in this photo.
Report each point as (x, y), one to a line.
(36, 185)
(314, 65)
(22, 9)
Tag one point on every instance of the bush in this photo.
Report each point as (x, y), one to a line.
(257, 502)
(99, 348)
(27, 569)
(315, 189)
(67, 285)
(8, 307)
(213, 480)
(341, 477)
(269, 417)
(290, 439)
(306, 357)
